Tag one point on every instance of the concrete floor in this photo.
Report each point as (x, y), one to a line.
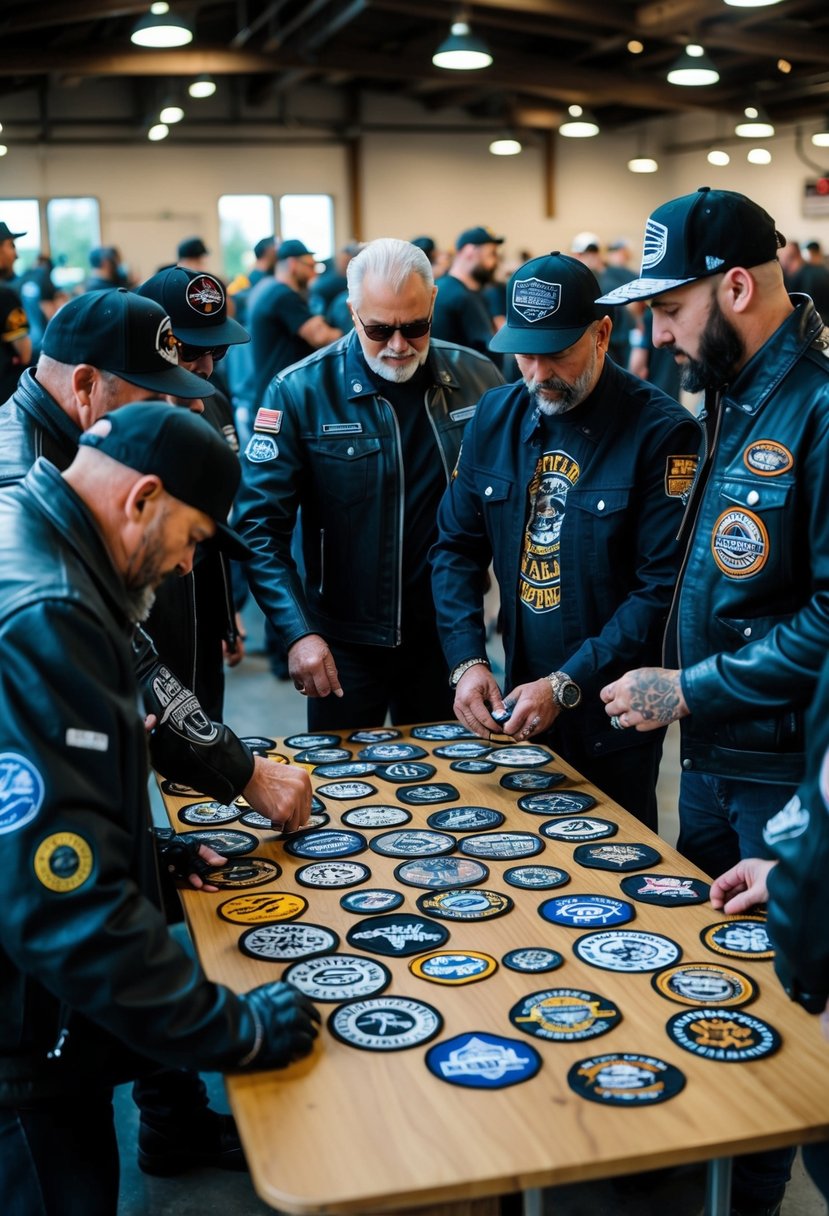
(256, 703)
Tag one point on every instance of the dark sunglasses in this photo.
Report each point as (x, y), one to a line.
(382, 333)
(189, 354)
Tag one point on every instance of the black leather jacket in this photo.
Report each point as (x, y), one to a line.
(752, 615)
(334, 450)
(91, 984)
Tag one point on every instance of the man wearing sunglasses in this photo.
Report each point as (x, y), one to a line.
(363, 437)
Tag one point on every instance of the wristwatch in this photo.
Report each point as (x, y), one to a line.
(566, 692)
(462, 668)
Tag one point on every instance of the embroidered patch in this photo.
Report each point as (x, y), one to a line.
(704, 984)
(208, 814)
(88, 740)
(309, 741)
(263, 907)
(261, 449)
(346, 790)
(464, 749)
(252, 872)
(321, 755)
(399, 934)
(332, 874)
(519, 756)
(338, 977)
(472, 903)
(578, 829)
(376, 816)
(423, 795)
(371, 901)
(740, 543)
(349, 768)
(441, 873)
(616, 856)
(538, 878)
(466, 819)
(531, 779)
(502, 846)
(451, 967)
(532, 959)
(386, 753)
(259, 742)
(655, 244)
(569, 802)
(627, 950)
(21, 791)
(442, 730)
(746, 937)
(789, 823)
(726, 1035)
(326, 843)
(385, 1023)
(413, 842)
(768, 458)
(205, 295)
(226, 841)
(586, 910)
(679, 475)
(472, 766)
(407, 770)
(285, 942)
(479, 1060)
(63, 862)
(564, 1015)
(378, 734)
(667, 890)
(342, 428)
(535, 299)
(625, 1079)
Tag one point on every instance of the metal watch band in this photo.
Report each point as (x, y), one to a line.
(557, 680)
(462, 668)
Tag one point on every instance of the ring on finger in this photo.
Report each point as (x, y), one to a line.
(616, 722)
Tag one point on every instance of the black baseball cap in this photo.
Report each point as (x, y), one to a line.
(101, 254)
(550, 304)
(478, 236)
(192, 247)
(126, 334)
(6, 234)
(196, 304)
(292, 249)
(696, 236)
(193, 461)
(425, 243)
(262, 247)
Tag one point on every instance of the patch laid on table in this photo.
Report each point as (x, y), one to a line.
(424, 795)
(538, 878)
(472, 766)
(521, 756)
(502, 846)
(442, 730)
(586, 910)
(250, 872)
(379, 734)
(346, 790)
(407, 770)
(627, 950)
(564, 1015)
(667, 890)
(440, 873)
(616, 856)
(307, 741)
(338, 977)
(470, 903)
(327, 842)
(728, 1036)
(259, 743)
(322, 755)
(466, 819)
(705, 984)
(283, 942)
(208, 814)
(480, 1060)
(569, 802)
(532, 959)
(453, 967)
(413, 842)
(470, 749)
(578, 829)
(531, 779)
(227, 842)
(177, 790)
(315, 821)
(385, 1023)
(371, 901)
(397, 934)
(332, 874)
(625, 1079)
(743, 937)
(63, 862)
(262, 908)
(387, 753)
(378, 816)
(349, 768)
(252, 819)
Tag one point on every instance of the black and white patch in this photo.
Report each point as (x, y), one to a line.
(425, 795)
(466, 819)
(287, 941)
(338, 977)
(332, 874)
(742, 937)
(464, 749)
(564, 1015)
(252, 819)
(441, 731)
(322, 755)
(789, 823)
(308, 741)
(209, 814)
(229, 843)
(413, 842)
(627, 950)
(532, 959)
(728, 1036)
(616, 857)
(371, 901)
(250, 872)
(407, 770)
(388, 753)
(349, 768)
(480, 1060)
(578, 829)
(531, 779)
(378, 816)
(472, 766)
(537, 878)
(259, 743)
(625, 1079)
(502, 846)
(521, 756)
(711, 984)
(470, 903)
(569, 802)
(385, 1023)
(586, 911)
(380, 734)
(397, 934)
(326, 843)
(440, 873)
(667, 890)
(346, 790)
(314, 821)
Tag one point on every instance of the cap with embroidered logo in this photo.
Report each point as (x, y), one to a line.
(197, 306)
(478, 236)
(550, 304)
(696, 236)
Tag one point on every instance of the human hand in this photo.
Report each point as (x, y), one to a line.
(533, 709)
(742, 887)
(286, 1025)
(280, 792)
(187, 860)
(647, 699)
(477, 693)
(312, 668)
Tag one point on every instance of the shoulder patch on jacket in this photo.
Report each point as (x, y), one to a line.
(462, 414)
(261, 448)
(21, 791)
(63, 862)
(792, 821)
(268, 420)
(679, 475)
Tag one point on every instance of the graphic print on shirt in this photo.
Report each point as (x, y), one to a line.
(539, 580)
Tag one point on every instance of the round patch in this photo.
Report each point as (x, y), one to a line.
(586, 910)
(532, 959)
(578, 829)
(625, 1079)
(746, 937)
(479, 1060)
(378, 734)
(466, 819)
(314, 821)
(726, 1035)
(261, 449)
(472, 766)
(205, 295)
(502, 846)
(62, 861)
(768, 458)
(565, 803)
(397, 934)
(252, 872)
(260, 743)
(740, 543)
(519, 756)
(326, 843)
(338, 977)
(627, 950)
(264, 907)
(332, 874)
(440, 873)
(464, 749)
(371, 901)
(282, 943)
(423, 795)
(344, 790)
(667, 890)
(453, 967)
(705, 984)
(208, 814)
(441, 731)
(308, 741)
(387, 753)
(537, 878)
(531, 779)
(616, 856)
(413, 842)
(322, 755)
(407, 770)
(177, 790)
(376, 816)
(252, 819)
(564, 1015)
(350, 768)
(471, 903)
(229, 843)
(385, 1023)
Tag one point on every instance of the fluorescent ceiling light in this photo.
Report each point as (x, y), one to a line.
(171, 114)
(505, 147)
(161, 28)
(202, 86)
(579, 125)
(755, 125)
(157, 131)
(693, 68)
(643, 164)
(758, 156)
(718, 157)
(462, 51)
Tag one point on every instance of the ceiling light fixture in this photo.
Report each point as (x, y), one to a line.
(160, 27)
(820, 138)
(462, 51)
(643, 164)
(718, 157)
(693, 68)
(171, 113)
(755, 125)
(505, 145)
(751, 3)
(581, 124)
(202, 86)
(635, 46)
(784, 66)
(758, 156)
(3, 149)
(159, 130)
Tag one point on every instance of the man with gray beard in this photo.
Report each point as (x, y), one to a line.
(571, 482)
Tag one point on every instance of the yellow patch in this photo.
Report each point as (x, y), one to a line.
(63, 862)
(679, 475)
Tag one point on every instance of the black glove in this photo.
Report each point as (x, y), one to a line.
(286, 1025)
(179, 857)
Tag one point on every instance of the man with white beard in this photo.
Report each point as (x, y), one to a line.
(571, 481)
(362, 436)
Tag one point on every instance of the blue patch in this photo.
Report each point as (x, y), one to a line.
(590, 910)
(261, 448)
(478, 1060)
(21, 791)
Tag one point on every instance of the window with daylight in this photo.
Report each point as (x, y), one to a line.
(23, 215)
(244, 219)
(308, 218)
(74, 227)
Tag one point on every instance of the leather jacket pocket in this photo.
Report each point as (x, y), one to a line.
(344, 468)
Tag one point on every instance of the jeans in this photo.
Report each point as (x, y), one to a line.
(627, 776)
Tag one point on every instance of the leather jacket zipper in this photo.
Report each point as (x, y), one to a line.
(195, 627)
(446, 470)
(63, 1032)
(401, 508)
(322, 560)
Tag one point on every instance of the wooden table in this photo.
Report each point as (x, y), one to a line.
(352, 1131)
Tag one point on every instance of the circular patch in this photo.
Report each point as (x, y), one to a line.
(351, 768)
(338, 977)
(344, 790)
(705, 984)
(453, 967)
(261, 743)
(471, 903)
(625, 1079)
(379, 734)
(578, 829)
(252, 819)
(376, 816)
(521, 756)
(229, 842)
(387, 753)
(332, 874)
(264, 907)
(423, 795)
(466, 819)
(616, 856)
(746, 937)
(729, 1036)
(538, 878)
(252, 872)
(532, 959)
(307, 741)
(326, 843)
(317, 820)
(440, 873)
(464, 749)
(502, 846)
(479, 1060)
(768, 458)
(586, 910)
(739, 543)
(398, 935)
(531, 779)
(177, 790)
(62, 861)
(564, 1015)
(627, 950)
(413, 842)
(208, 814)
(204, 294)
(282, 943)
(407, 770)
(371, 901)
(566, 803)
(385, 1023)
(322, 755)
(472, 766)
(667, 890)
(442, 730)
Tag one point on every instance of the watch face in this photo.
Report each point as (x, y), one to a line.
(569, 695)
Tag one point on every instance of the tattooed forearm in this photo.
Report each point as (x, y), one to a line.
(655, 694)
